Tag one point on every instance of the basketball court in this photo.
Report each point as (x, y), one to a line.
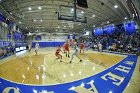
(43, 69)
(69, 46)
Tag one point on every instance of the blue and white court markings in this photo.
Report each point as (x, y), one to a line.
(111, 80)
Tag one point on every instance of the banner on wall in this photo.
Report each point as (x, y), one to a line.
(38, 37)
(111, 80)
(5, 43)
(11, 24)
(74, 36)
(109, 29)
(2, 18)
(98, 31)
(119, 28)
(17, 36)
(68, 36)
(9, 35)
(5, 29)
(130, 27)
(11, 27)
(1, 43)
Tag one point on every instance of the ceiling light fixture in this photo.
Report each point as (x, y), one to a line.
(125, 18)
(82, 12)
(136, 14)
(93, 15)
(108, 22)
(72, 10)
(34, 20)
(133, 15)
(115, 6)
(39, 7)
(29, 8)
(41, 20)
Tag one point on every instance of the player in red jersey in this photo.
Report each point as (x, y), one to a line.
(82, 46)
(66, 48)
(57, 53)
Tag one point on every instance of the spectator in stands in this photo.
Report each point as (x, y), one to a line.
(5, 51)
(1, 52)
(12, 49)
(107, 46)
(138, 53)
(114, 47)
(124, 43)
(129, 47)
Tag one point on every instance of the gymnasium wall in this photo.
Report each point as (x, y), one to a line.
(50, 40)
(10, 33)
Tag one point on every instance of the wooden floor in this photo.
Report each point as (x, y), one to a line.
(134, 84)
(45, 69)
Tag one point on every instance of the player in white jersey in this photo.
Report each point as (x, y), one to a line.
(36, 48)
(75, 51)
(100, 47)
(29, 47)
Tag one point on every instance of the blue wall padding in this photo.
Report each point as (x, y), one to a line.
(48, 44)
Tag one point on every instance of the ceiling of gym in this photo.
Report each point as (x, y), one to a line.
(41, 14)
